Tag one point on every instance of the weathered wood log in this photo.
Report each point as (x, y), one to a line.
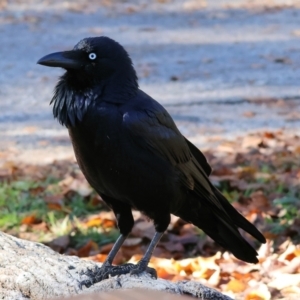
(132, 294)
(31, 270)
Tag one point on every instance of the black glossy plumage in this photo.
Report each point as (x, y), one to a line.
(132, 153)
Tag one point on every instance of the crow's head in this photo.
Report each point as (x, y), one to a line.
(93, 60)
(97, 69)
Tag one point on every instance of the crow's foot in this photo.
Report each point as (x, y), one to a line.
(141, 267)
(99, 274)
(108, 270)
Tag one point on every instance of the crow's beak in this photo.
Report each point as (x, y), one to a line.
(66, 60)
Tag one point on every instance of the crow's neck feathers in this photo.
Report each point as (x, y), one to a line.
(73, 97)
(69, 106)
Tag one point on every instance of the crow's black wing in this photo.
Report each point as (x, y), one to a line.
(155, 130)
(201, 159)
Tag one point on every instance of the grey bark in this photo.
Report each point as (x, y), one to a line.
(30, 270)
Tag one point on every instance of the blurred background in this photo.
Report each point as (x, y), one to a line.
(222, 68)
(228, 72)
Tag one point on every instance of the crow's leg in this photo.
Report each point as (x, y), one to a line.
(125, 221)
(161, 223)
(116, 247)
(107, 269)
(142, 265)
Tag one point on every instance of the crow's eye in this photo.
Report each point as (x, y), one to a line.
(92, 56)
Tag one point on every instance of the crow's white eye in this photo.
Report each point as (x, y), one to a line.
(92, 56)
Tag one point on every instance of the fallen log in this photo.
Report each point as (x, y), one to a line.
(30, 270)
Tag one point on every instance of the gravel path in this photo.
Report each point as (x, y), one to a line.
(221, 68)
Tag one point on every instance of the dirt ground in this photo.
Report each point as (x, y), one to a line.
(222, 68)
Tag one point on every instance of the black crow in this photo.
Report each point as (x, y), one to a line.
(131, 152)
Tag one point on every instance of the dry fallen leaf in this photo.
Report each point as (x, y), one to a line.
(60, 244)
(30, 220)
(236, 286)
(95, 222)
(85, 250)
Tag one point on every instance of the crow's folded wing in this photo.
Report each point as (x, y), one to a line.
(156, 131)
(199, 157)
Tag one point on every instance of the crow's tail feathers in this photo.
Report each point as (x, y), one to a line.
(222, 225)
(238, 219)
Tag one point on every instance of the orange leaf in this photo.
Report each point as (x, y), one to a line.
(108, 223)
(95, 222)
(162, 273)
(236, 286)
(269, 135)
(30, 220)
(208, 273)
(239, 276)
(290, 256)
(255, 295)
(270, 235)
(55, 206)
(98, 257)
(297, 252)
(85, 250)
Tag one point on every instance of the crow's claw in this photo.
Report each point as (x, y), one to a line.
(141, 267)
(102, 273)
(111, 271)
(108, 270)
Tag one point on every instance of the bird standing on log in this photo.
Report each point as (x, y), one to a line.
(131, 152)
